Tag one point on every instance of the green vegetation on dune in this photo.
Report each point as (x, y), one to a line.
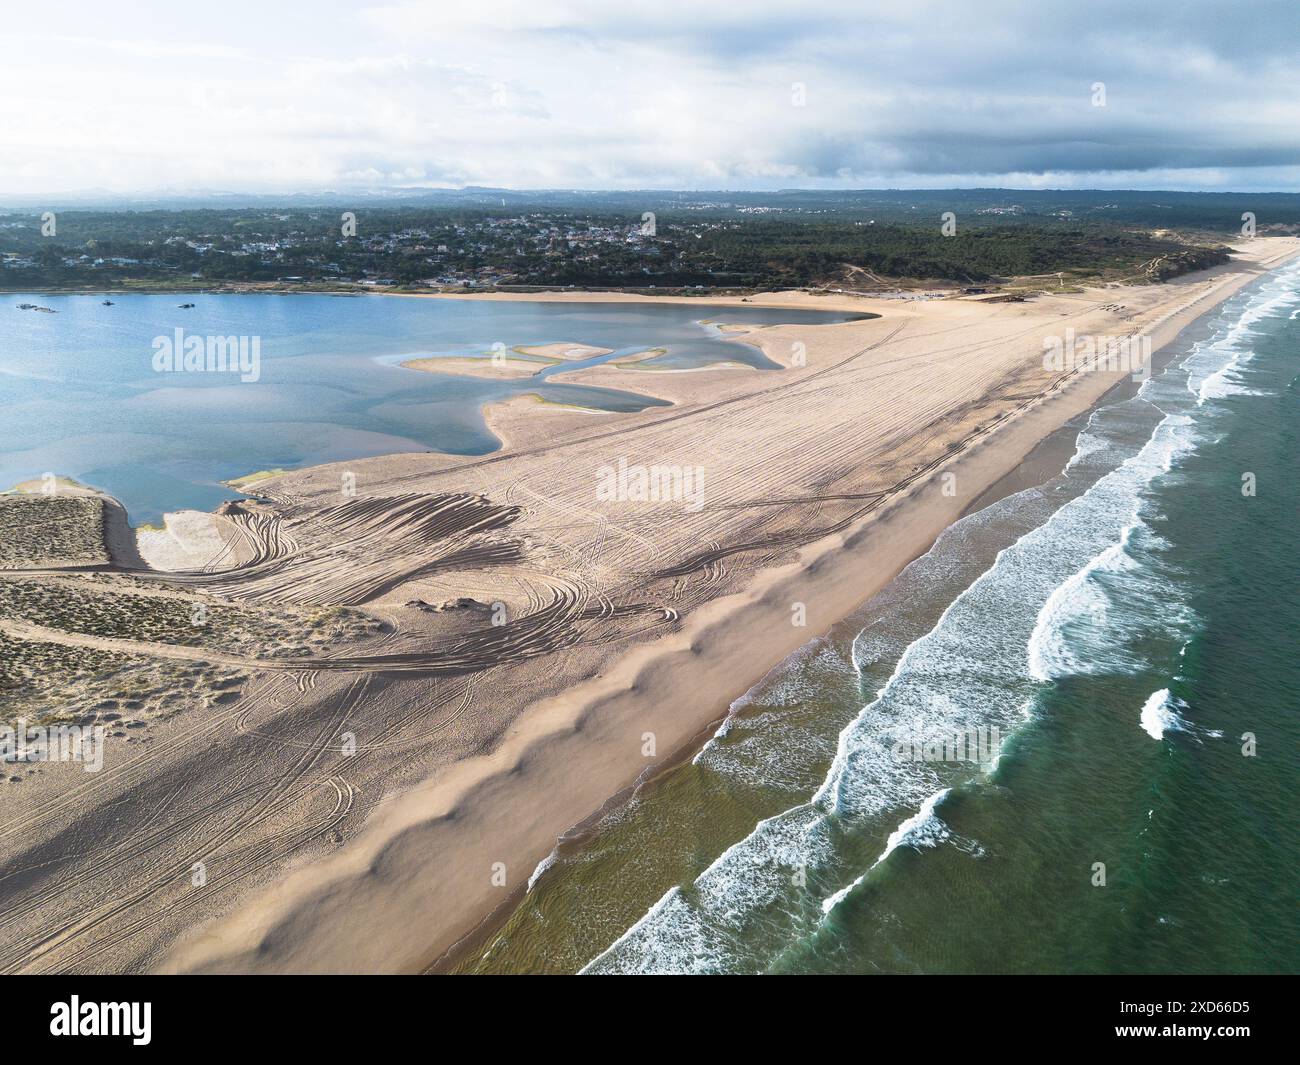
(129, 612)
(52, 682)
(259, 475)
(50, 530)
(50, 678)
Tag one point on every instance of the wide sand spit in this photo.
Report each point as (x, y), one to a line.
(552, 621)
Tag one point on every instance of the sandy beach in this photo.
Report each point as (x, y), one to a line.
(553, 622)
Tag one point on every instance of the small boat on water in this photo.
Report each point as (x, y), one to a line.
(186, 306)
(107, 303)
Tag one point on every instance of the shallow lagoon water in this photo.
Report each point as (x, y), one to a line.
(81, 397)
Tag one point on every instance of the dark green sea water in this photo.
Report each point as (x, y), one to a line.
(1124, 632)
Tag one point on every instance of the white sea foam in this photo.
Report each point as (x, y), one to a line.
(1049, 654)
(1224, 383)
(922, 829)
(1163, 712)
(745, 749)
(542, 866)
(1089, 442)
(1215, 370)
(1159, 715)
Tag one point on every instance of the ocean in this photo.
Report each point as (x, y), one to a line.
(82, 398)
(1062, 741)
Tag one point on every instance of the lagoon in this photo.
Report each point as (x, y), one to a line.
(81, 397)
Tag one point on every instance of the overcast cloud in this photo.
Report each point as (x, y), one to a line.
(667, 94)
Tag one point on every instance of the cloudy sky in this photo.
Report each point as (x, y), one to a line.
(690, 94)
